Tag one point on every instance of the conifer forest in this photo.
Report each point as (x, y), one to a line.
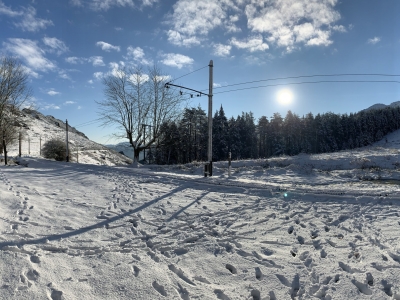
(245, 137)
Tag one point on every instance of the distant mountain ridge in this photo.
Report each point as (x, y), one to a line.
(381, 106)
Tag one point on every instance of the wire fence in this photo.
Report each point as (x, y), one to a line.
(30, 146)
(33, 146)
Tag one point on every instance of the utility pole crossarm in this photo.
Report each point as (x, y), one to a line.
(182, 87)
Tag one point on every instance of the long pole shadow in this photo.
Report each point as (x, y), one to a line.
(186, 207)
(69, 234)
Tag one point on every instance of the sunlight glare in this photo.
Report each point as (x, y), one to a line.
(285, 97)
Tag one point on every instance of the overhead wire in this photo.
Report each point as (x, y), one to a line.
(188, 74)
(310, 82)
(306, 76)
(91, 122)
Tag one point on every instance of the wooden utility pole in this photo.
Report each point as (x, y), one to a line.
(29, 145)
(210, 91)
(229, 164)
(66, 141)
(208, 166)
(20, 144)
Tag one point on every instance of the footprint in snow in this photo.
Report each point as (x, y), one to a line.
(362, 287)
(231, 268)
(256, 294)
(183, 292)
(56, 295)
(159, 288)
(221, 295)
(136, 271)
(32, 275)
(370, 279)
(259, 274)
(35, 259)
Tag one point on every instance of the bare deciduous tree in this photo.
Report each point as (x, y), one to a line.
(14, 94)
(135, 100)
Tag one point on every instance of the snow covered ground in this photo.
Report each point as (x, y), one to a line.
(305, 227)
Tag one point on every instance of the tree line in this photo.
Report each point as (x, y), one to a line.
(185, 140)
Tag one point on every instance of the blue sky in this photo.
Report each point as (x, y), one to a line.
(67, 46)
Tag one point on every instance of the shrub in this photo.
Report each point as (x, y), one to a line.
(54, 149)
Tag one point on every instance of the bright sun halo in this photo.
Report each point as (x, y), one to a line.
(285, 97)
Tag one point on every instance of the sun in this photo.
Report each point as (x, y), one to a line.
(285, 97)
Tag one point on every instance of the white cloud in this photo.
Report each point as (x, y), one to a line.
(51, 106)
(176, 38)
(90, 81)
(52, 92)
(69, 102)
(97, 61)
(29, 22)
(118, 28)
(79, 107)
(252, 44)
(176, 60)
(374, 40)
(62, 74)
(289, 22)
(222, 50)
(138, 55)
(98, 75)
(29, 51)
(76, 2)
(149, 2)
(284, 23)
(55, 45)
(107, 47)
(4, 10)
(340, 28)
(74, 60)
(192, 20)
(31, 73)
(107, 4)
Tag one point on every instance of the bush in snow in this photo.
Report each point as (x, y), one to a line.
(54, 149)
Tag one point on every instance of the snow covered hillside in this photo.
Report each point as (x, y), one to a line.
(37, 129)
(304, 227)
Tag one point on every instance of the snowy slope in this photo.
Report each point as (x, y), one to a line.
(39, 128)
(303, 227)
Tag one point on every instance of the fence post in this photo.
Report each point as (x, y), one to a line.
(66, 141)
(4, 147)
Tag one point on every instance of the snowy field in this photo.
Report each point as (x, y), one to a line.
(304, 227)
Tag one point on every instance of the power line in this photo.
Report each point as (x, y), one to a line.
(311, 82)
(188, 73)
(88, 123)
(306, 76)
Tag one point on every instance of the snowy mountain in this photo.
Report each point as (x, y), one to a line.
(381, 106)
(37, 128)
